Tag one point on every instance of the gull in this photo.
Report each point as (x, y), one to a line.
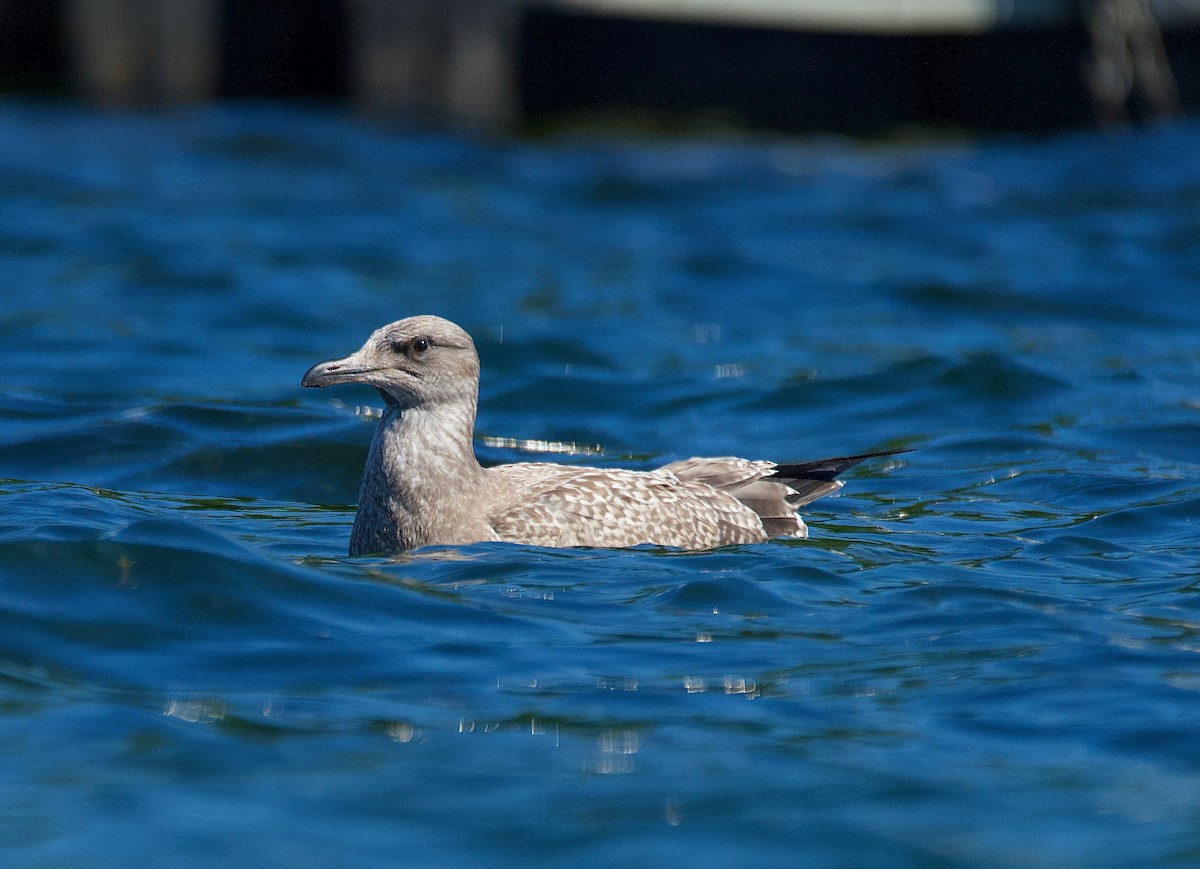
(423, 484)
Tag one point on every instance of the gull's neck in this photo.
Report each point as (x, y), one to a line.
(421, 480)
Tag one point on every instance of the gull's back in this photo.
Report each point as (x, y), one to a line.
(697, 503)
(563, 505)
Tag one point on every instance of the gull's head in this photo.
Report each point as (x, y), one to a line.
(419, 361)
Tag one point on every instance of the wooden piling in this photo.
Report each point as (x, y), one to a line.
(125, 52)
(446, 61)
(483, 86)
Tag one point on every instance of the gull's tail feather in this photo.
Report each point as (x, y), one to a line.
(774, 492)
(812, 480)
(828, 469)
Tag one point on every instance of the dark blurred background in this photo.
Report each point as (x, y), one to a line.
(859, 66)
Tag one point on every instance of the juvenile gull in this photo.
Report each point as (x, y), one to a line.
(423, 484)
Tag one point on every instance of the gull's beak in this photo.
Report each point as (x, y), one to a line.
(348, 370)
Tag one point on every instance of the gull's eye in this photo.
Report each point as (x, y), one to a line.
(420, 345)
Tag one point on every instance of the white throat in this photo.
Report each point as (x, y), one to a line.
(420, 481)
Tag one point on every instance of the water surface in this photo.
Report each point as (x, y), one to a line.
(985, 655)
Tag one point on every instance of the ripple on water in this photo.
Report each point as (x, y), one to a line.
(984, 654)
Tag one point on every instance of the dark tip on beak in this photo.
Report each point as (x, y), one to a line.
(334, 371)
(314, 376)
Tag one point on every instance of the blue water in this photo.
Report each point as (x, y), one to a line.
(987, 654)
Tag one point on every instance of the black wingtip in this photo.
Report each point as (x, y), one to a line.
(829, 469)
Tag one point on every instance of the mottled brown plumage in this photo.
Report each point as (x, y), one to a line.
(423, 484)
